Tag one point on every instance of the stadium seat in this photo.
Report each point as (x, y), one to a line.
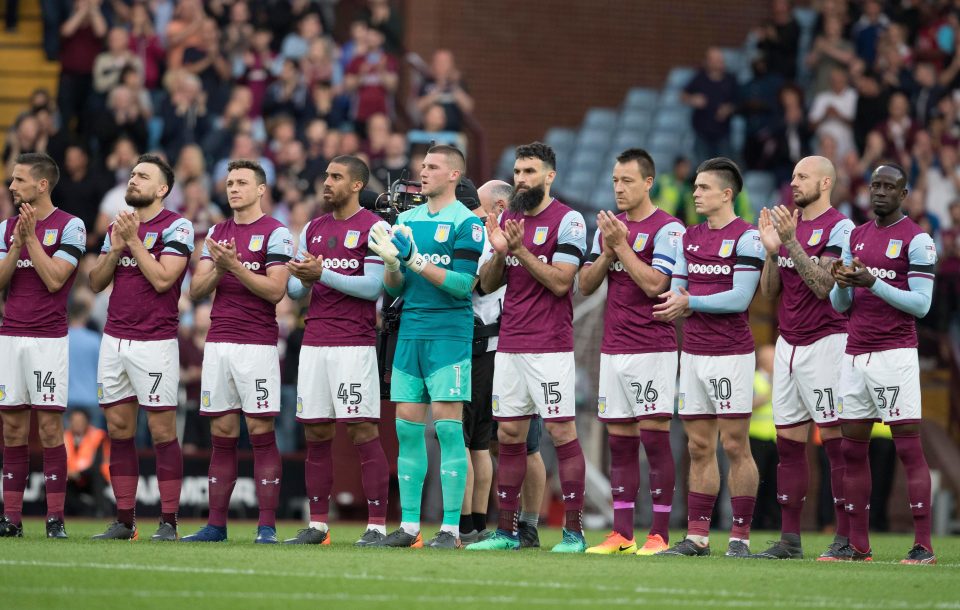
(505, 164)
(738, 132)
(641, 98)
(628, 138)
(593, 139)
(560, 138)
(806, 18)
(761, 187)
(669, 98)
(636, 118)
(601, 118)
(734, 59)
(679, 77)
(603, 198)
(663, 140)
(676, 119)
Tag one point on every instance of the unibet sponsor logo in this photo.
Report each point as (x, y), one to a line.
(513, 261)
(254, 266)
(709, 269)
(341, 263)
(127, 261)
(24, 264)
(883, 274)
(616, 266)
(786, 261)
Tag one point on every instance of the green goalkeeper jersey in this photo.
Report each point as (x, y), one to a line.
(451, 239)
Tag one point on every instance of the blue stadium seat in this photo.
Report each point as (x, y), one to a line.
(761, 187)
(636, 118)
(670, 98)
(679, 77)
(505, 164)
(734, 59)
(641, 98)
(603, 198)
(663, 140)
(629, 138)
(601, 118)
(738, 132)
(676, 119)
(592, 138)
(560, 138)
(806, 18)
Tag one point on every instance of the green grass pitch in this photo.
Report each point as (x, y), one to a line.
(79, 573)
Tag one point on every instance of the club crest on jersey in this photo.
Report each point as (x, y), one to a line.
(477, 233)
(680, 400)
(640, 242)
(3, 393)
(100, 391)
(540, 235)
(299, 405)
(442, 233)
(256, 243)
(49, 237)
(149, 240)
(205, 398)
(602, 405)
(894, 247)
(815, 237)
(495, 403)
(726, 248)
(352, 239)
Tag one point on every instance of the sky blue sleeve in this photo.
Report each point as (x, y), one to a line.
(680, 268)
(838, 235)
(595, 250)
(73, 242)
(178, 238)
(915, 301)
(842, 298)
(750, 255)
(295, 287)
(3, 242)
(571, 239)
(735, 300)
(279, 247)
(106, 241)
(467, 245)
(665, 244)
(366, 286)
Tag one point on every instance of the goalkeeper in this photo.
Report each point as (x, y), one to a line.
(431, 261)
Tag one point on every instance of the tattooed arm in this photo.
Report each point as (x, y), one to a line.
(816, 276)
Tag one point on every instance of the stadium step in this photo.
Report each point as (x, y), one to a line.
(28, 9)
(24, 66)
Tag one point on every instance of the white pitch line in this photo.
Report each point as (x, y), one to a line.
(739, 598)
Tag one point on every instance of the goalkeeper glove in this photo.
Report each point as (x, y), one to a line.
(407, 249)
(381, 244)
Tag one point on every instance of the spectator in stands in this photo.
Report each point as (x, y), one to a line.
(872, 100)
(185, 30)
(779, 40)
(57, 136)
(320, 64)
(790, 138)
(288, 94)
(763, 442)
(197, 206)
(445, 87)
(132, 79)
(378, 133)
(941, 181)
(712, 93)
(830, 50)
(371, 79)
(866, 31)
(123, 117)
(672, 191)
(926, 93)
(88, 459)
(244, 147)
(207, 61)
(314, 135)
(238, 33)
(380, 15)
(296, 44)
(146, 45)
(81, 39)
(119, 163)
(434, 132)
(80, 190)
(833, 111)
(387, 168)
(294, 169)
(26, 137)
(893, 69)
(898, 130)
(184, 113)
(256, 71)
(191, 340)
(760, 106)
(326, 105)
(109, 64)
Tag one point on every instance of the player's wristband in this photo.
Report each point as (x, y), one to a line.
(417, 263)
(392, 266)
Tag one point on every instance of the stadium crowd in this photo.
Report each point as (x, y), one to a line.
(204, 83)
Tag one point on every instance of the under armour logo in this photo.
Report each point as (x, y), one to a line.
(52, 477)
(859, 247)
(572, 495)
(269, 482)
(739, 520)
(895, 412)
(452, 473)
(693, 248)
(650, 407)
(263, 404)
(8, 475)
(849, 507)
(355, 410)
(917, 505)
(839, 500)
(553, 410)
(405, 477)
(783, 497)
(703, 518)
(48, 398)
(725, 404)
(373, 502)
(656, 492)
(153, 398)
(212, 479)
(618, 490)
(502, 494)
(315, 499)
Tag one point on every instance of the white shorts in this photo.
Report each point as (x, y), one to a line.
(527, 384)
(716, 386)
(338, 383)
(240, 378)
(636, 386)
(34, 372)
(806, 382)
(143, 372)
(881, 386)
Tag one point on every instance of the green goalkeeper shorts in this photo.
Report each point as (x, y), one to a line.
(427, 371)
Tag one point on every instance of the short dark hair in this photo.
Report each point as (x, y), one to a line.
(358, 169)
(164, 167)
(452, 153)
(726, 170)
(261, 175)
(538, 150)
(647, 167)
(42, 167)
(896, 166)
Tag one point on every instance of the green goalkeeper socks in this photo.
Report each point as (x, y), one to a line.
(453, 468)
(412, 468)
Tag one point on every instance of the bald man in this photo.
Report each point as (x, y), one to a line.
(801, 246)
